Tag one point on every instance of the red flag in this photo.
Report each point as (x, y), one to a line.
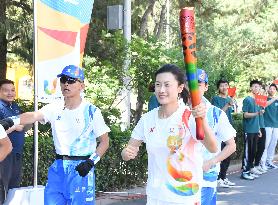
(232, 92)
(261, 100)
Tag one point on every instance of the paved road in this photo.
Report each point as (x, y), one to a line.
(261, 191)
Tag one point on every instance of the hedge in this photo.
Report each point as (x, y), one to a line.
(112, 172)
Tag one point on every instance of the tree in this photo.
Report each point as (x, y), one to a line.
(14, 24)
(3, 39)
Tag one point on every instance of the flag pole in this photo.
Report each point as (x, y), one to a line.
(35, 74)
(127, 36)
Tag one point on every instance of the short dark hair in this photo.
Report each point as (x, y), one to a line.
(252, 82)
(221, 81)
(5, 81)
(273, 85)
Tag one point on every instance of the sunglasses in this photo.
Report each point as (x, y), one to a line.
(69, 80)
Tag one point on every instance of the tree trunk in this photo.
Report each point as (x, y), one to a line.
(139, 104)
(161, 23)
(3, 40)
(140, 89)
(144, 20)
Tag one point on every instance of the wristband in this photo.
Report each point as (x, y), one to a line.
(94, 157)
(15, 119)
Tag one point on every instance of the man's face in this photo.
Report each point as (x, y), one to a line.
(7, 92)
(71, 87)
(255, 89)
(223, 88)
(272, 91)
(203, 87)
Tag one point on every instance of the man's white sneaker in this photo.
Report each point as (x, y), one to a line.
(254, 175)
(221, 183)
(254, 170)
(229, 183)
(270, 165)
(259, 168)
(264, 167)
(247, 176)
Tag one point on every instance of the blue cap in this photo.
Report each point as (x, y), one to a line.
(73, 72)
(202, 76)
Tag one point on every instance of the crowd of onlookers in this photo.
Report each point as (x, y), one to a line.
(260, 124)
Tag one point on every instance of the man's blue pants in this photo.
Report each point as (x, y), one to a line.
(65, 186)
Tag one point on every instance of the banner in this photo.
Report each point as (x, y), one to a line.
(261, 100)
(62, 27)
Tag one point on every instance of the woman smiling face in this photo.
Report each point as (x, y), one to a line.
(167, 88)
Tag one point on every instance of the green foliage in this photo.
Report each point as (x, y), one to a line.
(105, 77)
(240, 42)
(20, 30)
(46, 157)
(237, 124)
(112, 172)
(147, 56)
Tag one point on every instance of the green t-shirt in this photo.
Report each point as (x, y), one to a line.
(271, 115)
(153, 103)
(220, 102)
(251, 125)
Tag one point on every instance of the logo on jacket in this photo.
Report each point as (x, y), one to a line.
(151, 129)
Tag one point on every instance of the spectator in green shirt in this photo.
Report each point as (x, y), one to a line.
(271, 128)
(251, 127)
(261, 142)
(225, 103)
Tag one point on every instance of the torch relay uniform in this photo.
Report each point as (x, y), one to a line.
(174, 159)
(223, 130)
(74, 135)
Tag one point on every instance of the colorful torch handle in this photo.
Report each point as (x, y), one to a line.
(188, 35)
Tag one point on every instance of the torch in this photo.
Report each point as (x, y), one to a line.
(188, 35)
